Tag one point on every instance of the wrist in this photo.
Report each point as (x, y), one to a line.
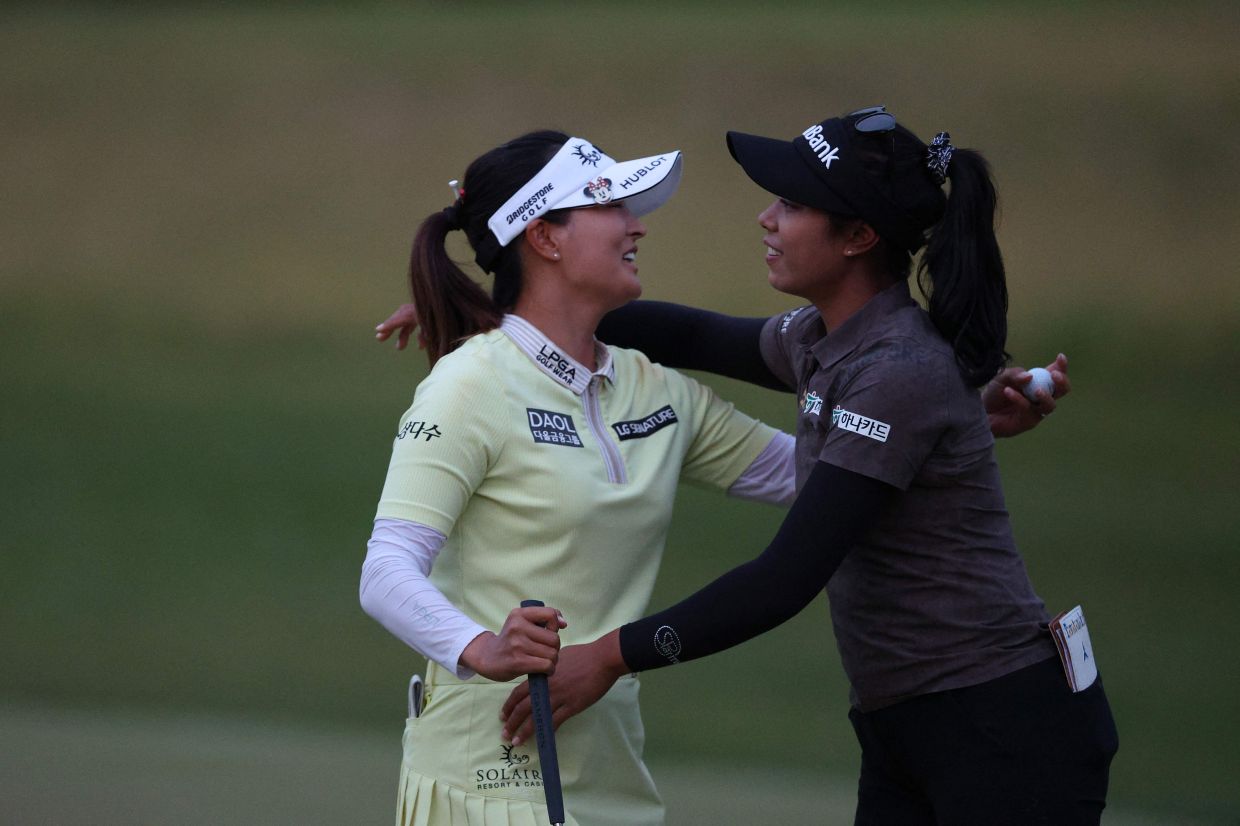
(607, 656)
(474, 654)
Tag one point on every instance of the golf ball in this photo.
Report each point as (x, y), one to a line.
(1041, 381)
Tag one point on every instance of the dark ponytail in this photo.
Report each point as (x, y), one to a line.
(452, 306)
(961, 271)
(962, 275)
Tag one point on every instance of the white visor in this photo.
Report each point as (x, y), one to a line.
(580, 175)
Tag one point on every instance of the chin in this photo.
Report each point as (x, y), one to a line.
(627, 296)
(786, 287)
(777, 281)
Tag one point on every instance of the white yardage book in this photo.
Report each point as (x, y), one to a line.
(1076, 652)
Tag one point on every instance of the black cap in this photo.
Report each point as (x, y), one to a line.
(820, 168)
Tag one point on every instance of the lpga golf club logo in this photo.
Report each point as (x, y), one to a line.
(589, 156)
(667, 643)
(555, 361)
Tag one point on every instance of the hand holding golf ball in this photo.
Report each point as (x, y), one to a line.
(1011, 398)
(1040, 379)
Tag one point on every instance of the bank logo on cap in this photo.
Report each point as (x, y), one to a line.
(825, 151)
(591, 157)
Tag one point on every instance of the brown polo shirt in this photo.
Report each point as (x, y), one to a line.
(936, 596)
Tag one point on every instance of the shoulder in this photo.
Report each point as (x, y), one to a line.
(477, 376)
(628, 359)
(469, 391)
(909, 356)
(906, 340)
(650, 381)
(794, 326)
(636, 367)
(482, 357)
(785, 340)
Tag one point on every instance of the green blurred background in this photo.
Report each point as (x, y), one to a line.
(204, 211)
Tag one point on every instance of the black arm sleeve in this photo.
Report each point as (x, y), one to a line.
(831, 513)
(692, 339)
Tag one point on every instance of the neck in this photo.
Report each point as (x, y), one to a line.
(842, 299)
(567, 323)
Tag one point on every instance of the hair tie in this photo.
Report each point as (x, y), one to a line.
(452, 214)
(938, 156)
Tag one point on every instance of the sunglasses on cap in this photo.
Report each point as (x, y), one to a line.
(873, 119)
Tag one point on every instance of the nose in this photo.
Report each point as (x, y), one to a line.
(636, 228)
(766, 218)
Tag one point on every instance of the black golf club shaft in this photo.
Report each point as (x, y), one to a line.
(544, 733)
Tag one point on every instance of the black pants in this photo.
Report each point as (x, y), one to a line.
(1021, 749)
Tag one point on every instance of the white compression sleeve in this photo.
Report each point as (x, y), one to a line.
(770, 478)
(396, 592)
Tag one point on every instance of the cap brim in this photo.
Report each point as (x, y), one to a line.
(777, 167)
(643, 185)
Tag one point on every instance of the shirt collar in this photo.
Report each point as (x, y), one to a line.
(547, 356)
(838, 343)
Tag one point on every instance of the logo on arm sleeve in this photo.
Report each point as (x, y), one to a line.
(417, 430)
(787, 320)
(667, 643)
(871, 428)
(553, 428)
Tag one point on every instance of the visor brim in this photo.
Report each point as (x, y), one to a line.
(643, 185)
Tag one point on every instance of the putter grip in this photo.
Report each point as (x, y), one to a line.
(544, 733)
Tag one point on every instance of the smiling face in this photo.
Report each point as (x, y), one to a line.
(598, 248)
(803, 256)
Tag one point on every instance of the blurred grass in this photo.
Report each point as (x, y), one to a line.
(166, 768)
(205, 211)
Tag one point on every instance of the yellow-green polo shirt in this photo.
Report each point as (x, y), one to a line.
(554, 482)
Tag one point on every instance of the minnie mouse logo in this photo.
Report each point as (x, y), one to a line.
(599, 189)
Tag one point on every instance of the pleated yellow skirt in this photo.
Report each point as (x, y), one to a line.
(457, 771)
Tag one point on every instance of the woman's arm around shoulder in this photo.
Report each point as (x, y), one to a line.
(692, 339)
